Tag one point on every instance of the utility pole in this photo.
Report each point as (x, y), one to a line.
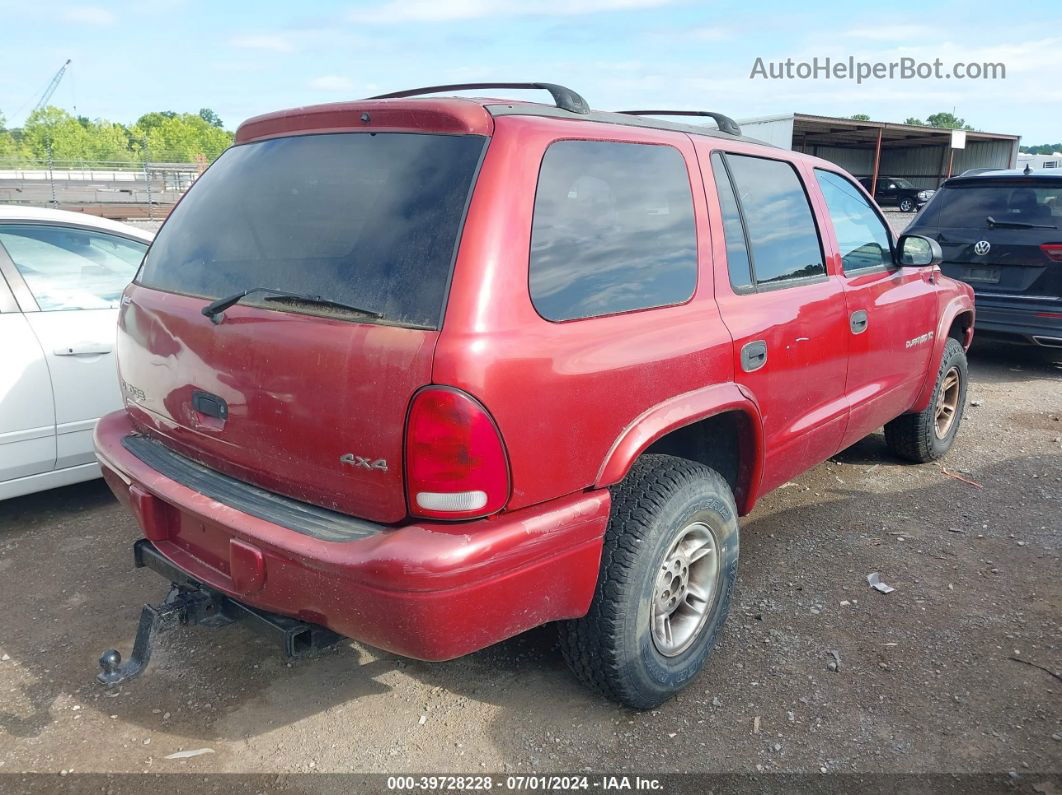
(147, 176)
(51, 173)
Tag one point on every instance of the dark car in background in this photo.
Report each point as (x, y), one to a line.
(897, 192)
(1001, 232)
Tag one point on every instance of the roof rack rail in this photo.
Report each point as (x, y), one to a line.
(726, 124)
(565, 98)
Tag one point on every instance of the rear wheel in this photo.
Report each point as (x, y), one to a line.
(667, 574)
(928, 435)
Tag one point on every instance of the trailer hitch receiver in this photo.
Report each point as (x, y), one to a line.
(190, 602)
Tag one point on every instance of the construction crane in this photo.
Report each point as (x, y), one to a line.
(51, 87)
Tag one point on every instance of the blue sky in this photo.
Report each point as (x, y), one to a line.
(242, 59)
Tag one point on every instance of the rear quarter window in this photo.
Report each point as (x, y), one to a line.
(613, 230)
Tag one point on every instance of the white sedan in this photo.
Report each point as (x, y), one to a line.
(61, 280)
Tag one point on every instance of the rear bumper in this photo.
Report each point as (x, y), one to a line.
(1039, 323)
(433, 591)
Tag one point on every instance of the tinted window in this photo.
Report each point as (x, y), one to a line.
(364, 219)
(613, 230)
(861, 235)
(737, 254)
(67, 268)
(971, 206)
(781, 229)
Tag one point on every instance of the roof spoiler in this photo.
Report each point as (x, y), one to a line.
(565, 98)
(725, 123)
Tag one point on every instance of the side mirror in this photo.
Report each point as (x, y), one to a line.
(918, 251)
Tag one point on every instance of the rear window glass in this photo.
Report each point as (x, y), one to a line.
(971, 206)
(613, 230)
(367, 219)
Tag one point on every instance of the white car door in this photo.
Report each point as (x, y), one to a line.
(27, 415)
(75, 277)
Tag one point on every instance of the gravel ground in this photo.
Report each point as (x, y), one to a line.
(926, 682)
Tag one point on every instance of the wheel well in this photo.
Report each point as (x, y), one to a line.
(961, 328)
(723, 442)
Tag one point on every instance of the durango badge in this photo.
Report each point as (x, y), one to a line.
(919, 339)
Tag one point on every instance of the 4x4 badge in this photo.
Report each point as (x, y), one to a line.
(364, 463)
(982, 247)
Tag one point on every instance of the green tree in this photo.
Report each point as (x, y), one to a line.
(914, 121)
(1041, 149)
(52, 132)
(211, 118)
(8, 147)
(860, 117)
(947, 121)
(180, 138)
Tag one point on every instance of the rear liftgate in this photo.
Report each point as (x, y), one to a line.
(190, 602)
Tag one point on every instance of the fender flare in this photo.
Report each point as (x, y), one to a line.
(682, 410)
(956, 305)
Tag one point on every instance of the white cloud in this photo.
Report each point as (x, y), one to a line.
(90, 15)
(396, 11)
(263, 41)
(708, 34)
(331, 83)
(892, 33)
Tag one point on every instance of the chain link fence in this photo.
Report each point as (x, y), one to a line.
(114, 189)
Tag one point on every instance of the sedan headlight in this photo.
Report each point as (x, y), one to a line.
(925, 194)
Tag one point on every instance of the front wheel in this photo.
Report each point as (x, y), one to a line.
(668, 568)
(928, 435)
(906, 205)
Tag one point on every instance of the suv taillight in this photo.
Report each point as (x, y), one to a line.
(456, 465)
(1053, 251)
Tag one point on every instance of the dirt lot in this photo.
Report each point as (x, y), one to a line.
(926, 681)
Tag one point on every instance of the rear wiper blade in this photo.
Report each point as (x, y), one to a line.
(214, 309)
(1018, 224)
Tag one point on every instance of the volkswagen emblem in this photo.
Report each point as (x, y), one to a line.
(982, 247)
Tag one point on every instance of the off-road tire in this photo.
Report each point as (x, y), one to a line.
(611, 649)
(913, 436)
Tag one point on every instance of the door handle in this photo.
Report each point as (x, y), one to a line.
(753, 355)
(858, 321)
(83, 349)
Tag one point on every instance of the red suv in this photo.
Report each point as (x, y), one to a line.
(430, 372)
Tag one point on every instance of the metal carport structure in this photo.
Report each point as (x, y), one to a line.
(872, 148)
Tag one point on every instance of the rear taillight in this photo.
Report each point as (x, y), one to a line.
(456, 466)
(1053, 251)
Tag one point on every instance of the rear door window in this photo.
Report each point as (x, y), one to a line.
(783, 239)
(613, 230)
(367, 219)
